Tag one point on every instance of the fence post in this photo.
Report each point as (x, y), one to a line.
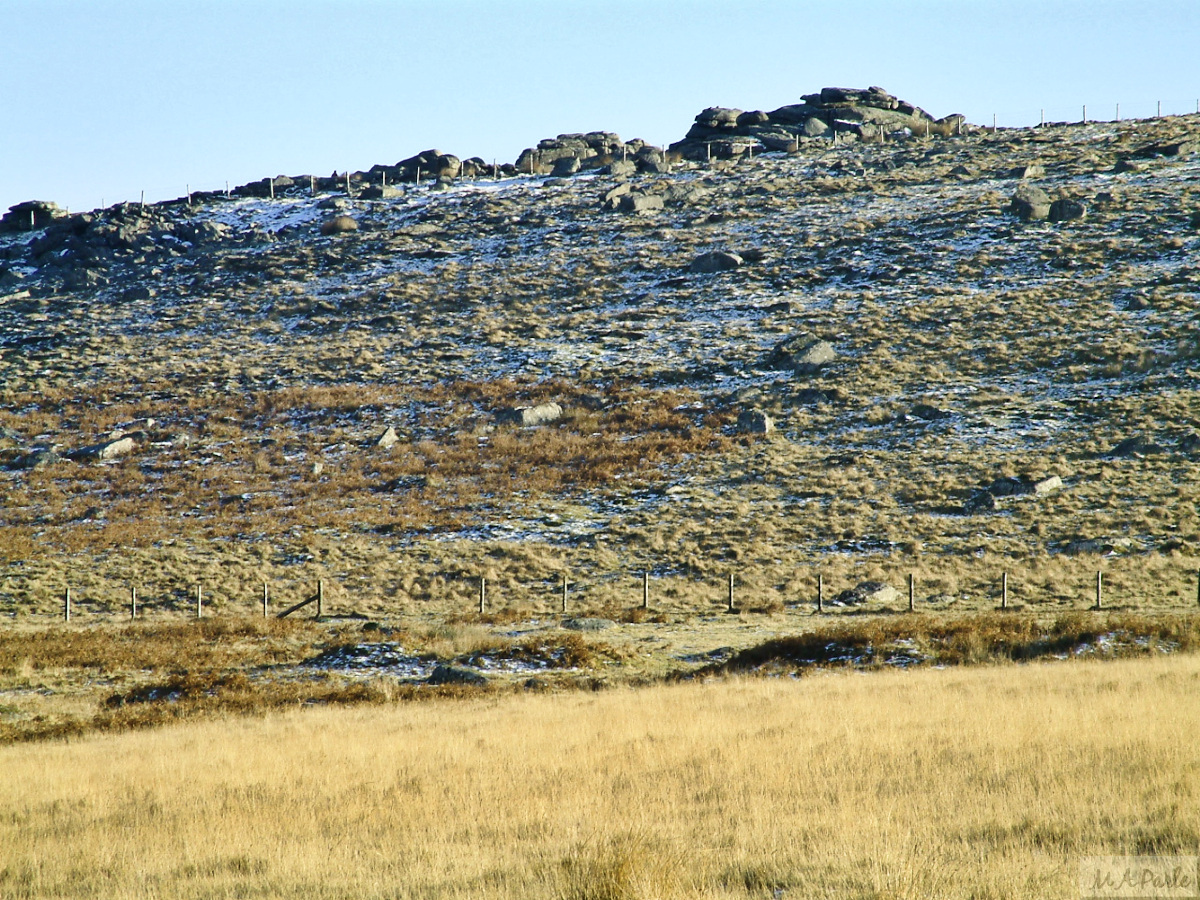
(1004, 590)
(1099, 589)
(264, 599)
(132, 602)
(820, 592)
(67, 604)
(564, 592)
(646, 589)
(320, 597)
(1198, 587)
(199, 602)
(482, 593)
(730, 609)
(911, 591)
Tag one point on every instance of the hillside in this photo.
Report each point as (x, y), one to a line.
(776, 350)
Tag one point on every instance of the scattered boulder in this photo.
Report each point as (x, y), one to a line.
(979, 502)
(36, 459)
(716, 261)
(1134, 448)
(1032, 170)
(588, 623)
(1064, 210)
(1020, 487)
(528, 416)
(621, 168)
(930, 413)
(381, 192)
(866, 592)
(1029, 203)
(338, 225)
(444, 674)
(106, 450)
(388, 439)
(803, 354)
(641, 204)
(754, 421)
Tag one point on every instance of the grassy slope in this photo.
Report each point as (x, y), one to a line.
(986, 782)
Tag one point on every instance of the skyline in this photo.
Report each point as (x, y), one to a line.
(115, 98)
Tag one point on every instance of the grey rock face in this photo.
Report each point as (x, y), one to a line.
(1030, 203)
(566, 166)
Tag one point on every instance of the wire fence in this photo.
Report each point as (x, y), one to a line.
(563, 596)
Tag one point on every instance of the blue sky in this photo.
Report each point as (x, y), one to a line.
(101, 100)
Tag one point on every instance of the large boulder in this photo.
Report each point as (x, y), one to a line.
(803, 354)
(866, 592)
(715, 261)
(528, 416)
(1065, 210)
(338, 225)
(1029, 203)
(31, 215)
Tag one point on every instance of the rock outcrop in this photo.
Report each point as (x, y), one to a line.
(832, 113)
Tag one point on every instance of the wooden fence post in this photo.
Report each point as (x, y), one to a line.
(646, 589)
(320, 597)
(199, 602)
(1099, 589)
(1198, 587)
(482, 593)
(910, 591)
(67, 604)
(564, 592)
(1004, 590)
(820, 592)
(264, 599)
(730, 608)
(132, 602)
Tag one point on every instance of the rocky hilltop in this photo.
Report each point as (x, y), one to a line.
(842, 337)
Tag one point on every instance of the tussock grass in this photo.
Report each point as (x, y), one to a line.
(984, 782)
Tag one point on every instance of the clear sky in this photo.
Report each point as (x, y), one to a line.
(102, 99)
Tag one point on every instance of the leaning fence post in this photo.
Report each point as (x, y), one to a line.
(482, 593)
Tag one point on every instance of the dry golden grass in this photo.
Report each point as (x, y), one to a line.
(989, 782)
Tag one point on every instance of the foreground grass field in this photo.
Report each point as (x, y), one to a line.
(983, 782)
